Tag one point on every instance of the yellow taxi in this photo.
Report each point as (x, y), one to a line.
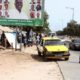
(52, 47)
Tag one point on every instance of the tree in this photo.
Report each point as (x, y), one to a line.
(72, 29)
(45, 27)
(46, 24)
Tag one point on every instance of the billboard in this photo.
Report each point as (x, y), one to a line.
(21, 12)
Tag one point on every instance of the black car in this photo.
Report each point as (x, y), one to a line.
(75, 44)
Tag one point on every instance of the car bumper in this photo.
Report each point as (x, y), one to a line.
(57, 55)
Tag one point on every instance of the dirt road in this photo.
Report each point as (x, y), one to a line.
(26, 65)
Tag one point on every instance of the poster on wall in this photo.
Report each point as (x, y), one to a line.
(21, 12)
(20, 9)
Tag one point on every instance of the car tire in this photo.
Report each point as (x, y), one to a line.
(39, 54)
(44, 56)
(66, 59)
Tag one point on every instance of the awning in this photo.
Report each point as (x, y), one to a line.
(5, 29)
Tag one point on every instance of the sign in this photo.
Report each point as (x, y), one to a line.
(21, 12)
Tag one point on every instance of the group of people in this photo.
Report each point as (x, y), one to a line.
(30, 38)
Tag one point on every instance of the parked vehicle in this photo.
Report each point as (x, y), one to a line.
(75, 44)
(52, 47)
(52, 34)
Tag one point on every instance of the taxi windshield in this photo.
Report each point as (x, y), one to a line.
(53, 42)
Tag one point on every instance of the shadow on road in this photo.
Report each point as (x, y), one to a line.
(36, 57)
(40, 59)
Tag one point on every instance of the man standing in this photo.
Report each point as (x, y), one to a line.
(17, 13)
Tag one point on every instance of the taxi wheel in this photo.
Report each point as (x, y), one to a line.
(39, 54)
(44, 56)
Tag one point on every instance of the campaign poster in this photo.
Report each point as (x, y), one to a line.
(21, 9)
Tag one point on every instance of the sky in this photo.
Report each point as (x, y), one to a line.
(60, 13)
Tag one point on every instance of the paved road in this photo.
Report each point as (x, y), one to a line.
(71, 69)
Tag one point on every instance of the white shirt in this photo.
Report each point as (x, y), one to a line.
(15, 14)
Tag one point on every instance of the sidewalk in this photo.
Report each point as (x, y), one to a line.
(30, 49)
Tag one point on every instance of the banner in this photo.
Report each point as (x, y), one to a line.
(21, 10)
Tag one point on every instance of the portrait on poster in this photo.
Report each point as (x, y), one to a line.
(20, 9)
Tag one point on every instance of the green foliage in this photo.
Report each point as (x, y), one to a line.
(72, 29)
(45, 27)
(46, 24)
(59, 32)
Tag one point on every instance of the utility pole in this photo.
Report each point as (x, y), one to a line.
(72, 12)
